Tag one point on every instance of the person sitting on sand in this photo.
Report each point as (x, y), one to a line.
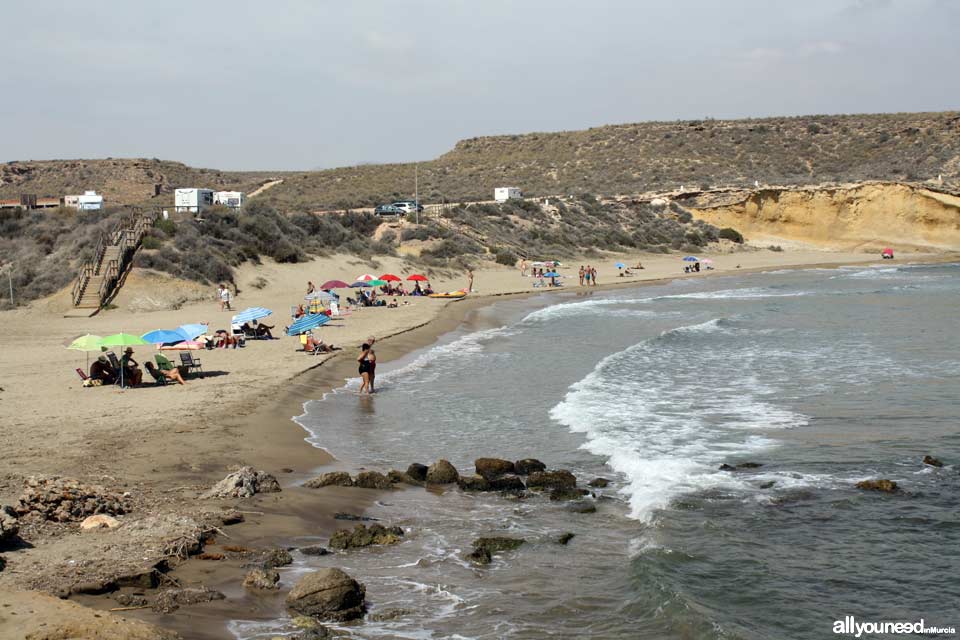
(428, 291)
(300, 312)
(102, 370)
(417, 291)
(169, 374)
(222, 339)
(132, 376)
(393, 304)
(310, 287)
(639, 265)
(262, 330)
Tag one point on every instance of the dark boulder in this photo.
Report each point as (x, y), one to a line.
(933, 462)
(749, 465)
(884, 485)
(528, 465)
(275, 558)
(340, 515)
(581, 506)
(507, 483)
(727, 467)
(333, 478)
(400, 477)
(491, 468)
(390, 614)
(474, 483)
(231, 517)
(372, 480)
(565, 538)
(418, 471)
(599, 483)
(362, 536)
(560, 479)
(314, 550)
(442, 472)
(484, 548)
(328, 594)
(9, 525)
(767, 485)
(567, 494)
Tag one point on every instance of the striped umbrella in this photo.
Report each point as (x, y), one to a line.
(250, 314)
(366, 277)
(307, 322)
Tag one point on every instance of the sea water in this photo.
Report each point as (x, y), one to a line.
(824, 376)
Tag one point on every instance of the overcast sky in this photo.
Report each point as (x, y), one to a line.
(298, 84)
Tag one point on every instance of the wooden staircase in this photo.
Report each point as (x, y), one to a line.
(100, 279)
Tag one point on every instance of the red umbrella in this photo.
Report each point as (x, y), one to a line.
(389, 277)
(418, 278)
(334, 284)
(888, 251)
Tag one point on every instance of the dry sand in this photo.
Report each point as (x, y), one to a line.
(166, 444)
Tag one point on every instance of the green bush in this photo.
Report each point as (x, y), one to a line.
(505, 257)
(728, 233)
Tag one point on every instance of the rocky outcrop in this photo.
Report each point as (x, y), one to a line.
(474, 483)
(65, 500)
(363, 536)
(565, 538)
(372, 480)
(884, 485)
(262, 580)
(511, 484)
(740, 467)
(933, 462)
(9, 525)
(333, 478)
(598, 483)
(276, 557)
(401, 477)
(484, 548)
(244, 483)
(328, 594)
(560, 479)
(581, 506)
(567, 493)
(418, 471)
(491, 468)
(442, 472)
(314, 550)
(528, 466)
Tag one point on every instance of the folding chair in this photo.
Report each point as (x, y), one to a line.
(191, 363)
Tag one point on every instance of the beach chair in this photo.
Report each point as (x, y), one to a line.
(191, 363)
(115, 363)
(158, 377)
(82, 375)
(236, 331)
(163, 362)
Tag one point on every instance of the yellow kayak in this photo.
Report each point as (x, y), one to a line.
(449, 294)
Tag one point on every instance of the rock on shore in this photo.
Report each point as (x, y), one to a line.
(328, 594)
(442, 472)
(9, 525)
(363, 536)
(332, 478)
(884, 485)
(243, 483)
(484, 548)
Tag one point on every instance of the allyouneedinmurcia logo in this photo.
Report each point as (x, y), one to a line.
(850, 626)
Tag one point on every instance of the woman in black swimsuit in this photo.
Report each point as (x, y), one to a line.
(364, 368)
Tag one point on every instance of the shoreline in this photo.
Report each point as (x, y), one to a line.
(261, 435)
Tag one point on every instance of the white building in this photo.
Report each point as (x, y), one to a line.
(502, 194)
(89, 201)
(192, 200)
(231, 199)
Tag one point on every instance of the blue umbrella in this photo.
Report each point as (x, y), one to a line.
(164, 336)
(191, 331)
(619, 265)
(359, 283)
(691, 259)
(551, 274)
(325, 296)
(253, 313)
(306, 323)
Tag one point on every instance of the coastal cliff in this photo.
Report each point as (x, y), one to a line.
(863, 217)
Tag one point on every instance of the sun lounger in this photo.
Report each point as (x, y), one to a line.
(158, 376)
(191, 363)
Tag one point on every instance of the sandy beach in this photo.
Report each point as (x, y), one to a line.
(165, 445)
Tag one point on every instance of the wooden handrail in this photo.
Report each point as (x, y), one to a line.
(83, 279)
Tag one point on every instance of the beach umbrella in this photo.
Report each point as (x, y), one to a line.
(551, 274)
(389, 277)
(164, 336)
(418, 278)
(123, 340)
(252, 313)
(619, 265)
(360, 283)
(191, 331)
(691, 259)
(376, 283)
(334, 284)
(707, 261)
(308, 322)
(319, 295)
(887, 252)
(186, 345)
(366, 277)
(86, 343)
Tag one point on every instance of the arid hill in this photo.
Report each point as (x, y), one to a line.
(616, 159)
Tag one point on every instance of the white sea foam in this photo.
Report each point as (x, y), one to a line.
(749, 293)
(666, 435)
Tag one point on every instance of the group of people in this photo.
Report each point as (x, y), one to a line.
(588, 275)
(692, 268)
(399, 290)
(128, 372)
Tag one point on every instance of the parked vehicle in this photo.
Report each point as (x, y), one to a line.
(389, 210)
(408, 206)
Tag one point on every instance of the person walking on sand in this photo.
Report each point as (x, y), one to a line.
(469, 280)
(523, 267)
(364, 368)
(223, 294)
(581, 274)
(593, 275)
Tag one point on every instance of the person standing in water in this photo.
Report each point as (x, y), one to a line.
(581, 274)
(593, 275)
(364, 368)
(372, 361)
(587, 275)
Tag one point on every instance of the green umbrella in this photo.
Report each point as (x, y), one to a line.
(122, 340)
(376, 283)
(88, 342)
